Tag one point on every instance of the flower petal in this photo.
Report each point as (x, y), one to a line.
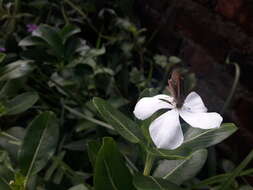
(194, 103)
(166, 131)
(201, 120)
(147, 106)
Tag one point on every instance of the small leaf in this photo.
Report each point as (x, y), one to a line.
(39, 143)
(15, 70)
(122, 124)
(21, 103)
(151, 183)
(178, 171)
(110, 169)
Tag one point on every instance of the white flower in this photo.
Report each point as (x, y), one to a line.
(165, 130)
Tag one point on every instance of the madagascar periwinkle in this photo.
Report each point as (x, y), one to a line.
(31, 27)
(166, 131)
(2, 49)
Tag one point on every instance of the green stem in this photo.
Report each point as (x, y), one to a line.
(71, 4)
(232, 91)
(148, 164)
(17, 6)
(226, 185)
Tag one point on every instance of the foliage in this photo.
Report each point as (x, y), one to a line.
(67, 91)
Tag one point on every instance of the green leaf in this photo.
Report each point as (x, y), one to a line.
(15, 70)
(11, 88)
(32, 41)
(195, 139)
(39, 143)
(21, 103)
(79, 187)
(67, 31)
(178, 171)
(52, 37)
(151, 183)
(122, 124)
(110, 169)
(93, 148)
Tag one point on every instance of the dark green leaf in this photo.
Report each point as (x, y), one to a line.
(151, 183)
(122, 124)
(39, 143)
(52, 37)
(15, 70)
(67, 31)
(79, 187)
(178, 171)
(93, 148)
(21, 103)
(110, 169)
(32, 41)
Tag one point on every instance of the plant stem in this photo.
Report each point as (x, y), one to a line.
(85, 17)
(148, 164)
(17, 5)
(232, 91)
(226, 185)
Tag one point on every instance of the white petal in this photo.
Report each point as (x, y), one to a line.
(166, 131)
(201, 120)
(194, 103)
(147, 106)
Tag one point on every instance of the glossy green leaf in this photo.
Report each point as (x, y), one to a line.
(11, 88)
(195, 139)
(21, 103)
(178, 171)
(93, 148)
(15, 70)
(110, 169)
(122, 124)
(52, 37)
(32, 41)
(79, 187)
(151, 183)
(39, 143)
(67, 31)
